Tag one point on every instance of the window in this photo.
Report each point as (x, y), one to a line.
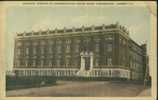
(42, 50)
(34, 50)
(27, 43)
(67, 63)
(35, 43)
(59, 42)
(42, 63)
(51, 42)
(26, 63)
(50, 50)
(109, 72)
(109, 48)
(77, 48)
(124, 42)
(67, 48)
(58, 62)
(109, 61)
(43, 43)
(87, 40)
(19, 44)
(34, 63)
(50, 63)
(109, 37)
(68, 41)
(97, 40)
(27, 51)
(18, 51)
(97, 62)
(18, 63)
(59, 49)
(120, 40)
(78, 41)
(97, 47)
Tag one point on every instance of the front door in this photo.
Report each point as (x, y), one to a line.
(87, 63)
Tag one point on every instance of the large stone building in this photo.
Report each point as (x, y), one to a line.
(95, 51)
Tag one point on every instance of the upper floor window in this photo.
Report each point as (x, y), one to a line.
(78, 41)
(51, 42)
(50, 50)
(87, 40)
(43, 42)
(97, 47)
(77, 48)
(34, 63)
(26, 63)
(67, 61)
(42, 63)
(121, 40)
(27, 51)
(18, 51)
(109, 61)
(18, 63)
(68, 41)
(109, 47)
(50, 63)
(34, 50)
(97, 40)
(59, 42)
(42, 50)
(19, 44)
(124, 42)
(109, 37)
(97, 62)
(35, 43)
(59, 49)
(67, 48)
(27, 43)
(58, 62)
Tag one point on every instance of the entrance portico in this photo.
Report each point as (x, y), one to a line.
(86, 63)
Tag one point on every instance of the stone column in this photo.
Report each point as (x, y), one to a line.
(82, 63)
(91, 60)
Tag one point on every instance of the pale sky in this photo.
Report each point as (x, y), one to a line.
(20, 19)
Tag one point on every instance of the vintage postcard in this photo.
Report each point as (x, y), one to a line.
(80, 49)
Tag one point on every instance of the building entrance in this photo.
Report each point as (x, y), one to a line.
(86, 61)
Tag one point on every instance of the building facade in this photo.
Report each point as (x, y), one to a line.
(95, 51)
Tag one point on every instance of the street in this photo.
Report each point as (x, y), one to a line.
(89, 88)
